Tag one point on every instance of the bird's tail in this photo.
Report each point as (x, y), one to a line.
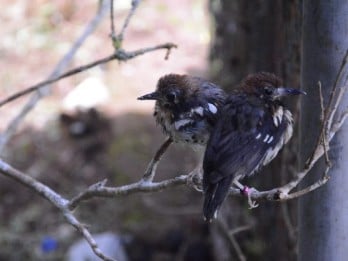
(214, 195)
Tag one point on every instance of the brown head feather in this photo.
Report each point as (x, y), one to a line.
(260, 80)
(187, 84)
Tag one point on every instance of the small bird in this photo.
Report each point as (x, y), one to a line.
(186, 107)
(252, 126)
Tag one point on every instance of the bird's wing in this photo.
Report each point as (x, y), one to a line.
(204, 105)
(245, 137)
(210, 98)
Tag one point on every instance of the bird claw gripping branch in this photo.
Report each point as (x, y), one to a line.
(241, 132)
(253, 125)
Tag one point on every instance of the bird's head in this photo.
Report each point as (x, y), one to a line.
(171, 90)
(267, 86)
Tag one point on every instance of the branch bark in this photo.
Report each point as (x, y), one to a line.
(42, 89)
(332, 122)
(120, 55)
(56, 200)
(45, 88)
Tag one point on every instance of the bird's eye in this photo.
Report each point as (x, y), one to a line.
(171, 97)
(268, 90)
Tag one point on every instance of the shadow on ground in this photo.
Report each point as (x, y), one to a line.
(72, 153)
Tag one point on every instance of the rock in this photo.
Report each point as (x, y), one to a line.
(110, 244)
(90, 93)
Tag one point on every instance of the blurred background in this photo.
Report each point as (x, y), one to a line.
(116, 136)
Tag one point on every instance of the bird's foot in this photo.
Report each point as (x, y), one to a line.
(247, 192)
(194, 179)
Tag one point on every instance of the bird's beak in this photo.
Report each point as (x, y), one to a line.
(282, 91)
(150, 96)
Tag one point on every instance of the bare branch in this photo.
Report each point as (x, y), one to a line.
(332, 103)
(120, 55)
(338, 124)
(288, 223)
(112, 21)
(277, 194)
(308, 189)
(223, 228)
(146, 185)
(55, 199)
(141, 186)
(151, 168)
(340, 72)
(44, 88)
(86, 234)
(117, 40)
(135, 4)
(324, 132)
(328, 130)
(240, 229)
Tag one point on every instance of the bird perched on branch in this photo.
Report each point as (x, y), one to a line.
(186, 107)
(252, 127)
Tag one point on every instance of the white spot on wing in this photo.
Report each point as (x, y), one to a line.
(212, 108)
(266, 138)
(272, 152)
(258, 136)
(180, 123)
(199, 110)
(270, 139)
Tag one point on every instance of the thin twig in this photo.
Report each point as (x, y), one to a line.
(147, 185)
(332, 99)
(118, 39)
(151, 168)
(44, 88)
(276, 194)
(100, 190)
(240, 229)
(230, 239)
(55, 199)
(112, 21)
(288, 223)
(308, 189)
(322, 106)
(135, 4)
(341, 70)
(340, 93)
(341, 119)
(324, 124)
(137, 187)
(120, 55)
(333, 103)
(87, 235)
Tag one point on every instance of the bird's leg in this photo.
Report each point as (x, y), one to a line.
(245, 190)
(195, 178)
(252, 203)
(196, 175)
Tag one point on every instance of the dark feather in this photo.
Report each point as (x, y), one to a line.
(234, 149)
(214, 196)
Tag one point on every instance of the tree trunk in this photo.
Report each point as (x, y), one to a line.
(252, 36)
(323, 226)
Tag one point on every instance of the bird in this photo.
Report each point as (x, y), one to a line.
(252, 126)
(186, 107)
